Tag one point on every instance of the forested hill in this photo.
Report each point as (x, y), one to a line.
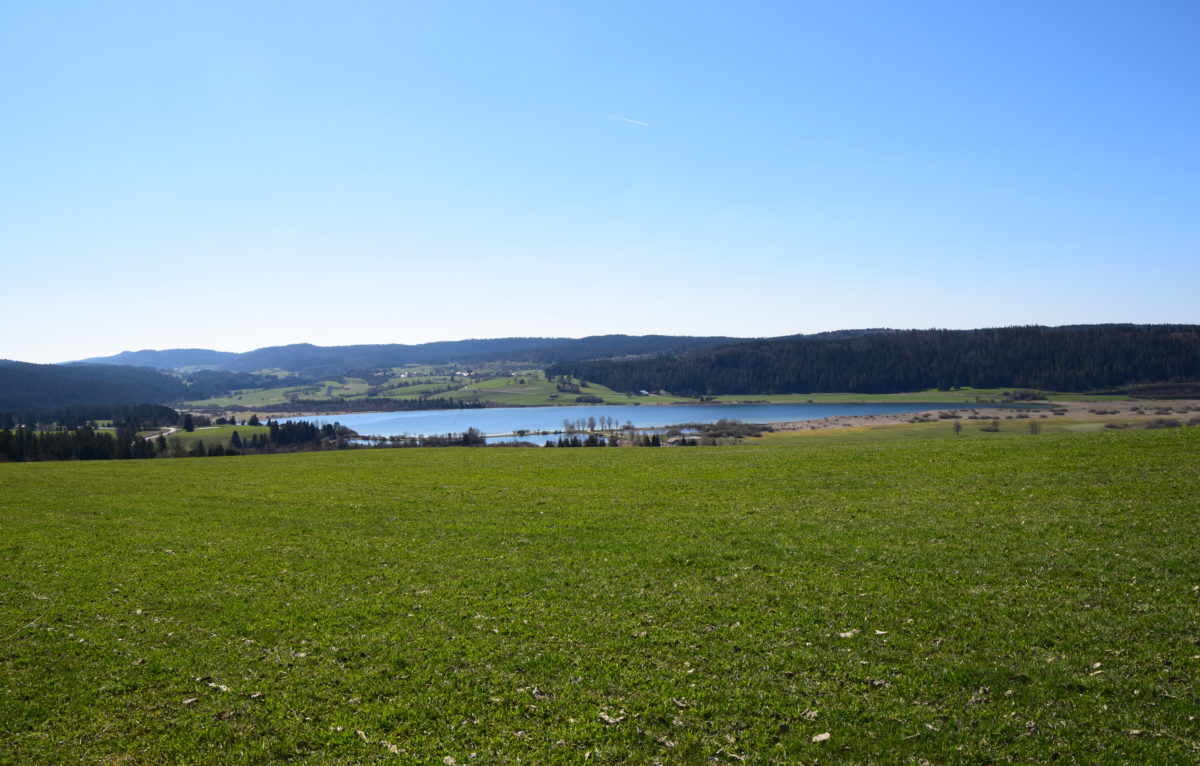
(26, 387)
(307, 359)
(168, 359)
(1071, 358)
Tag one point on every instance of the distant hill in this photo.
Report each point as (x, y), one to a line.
(307, 359)
(1071, 358)
(167, 359)
(28, 387)
(328, 361)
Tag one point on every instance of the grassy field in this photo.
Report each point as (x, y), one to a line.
(537, 391)
(938, 429)
(957, 396)
(962, 600)
(346, 389)
(215, 435)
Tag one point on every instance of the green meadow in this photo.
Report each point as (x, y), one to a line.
(956, 600)
(537, 391)
(347, 388)
(212, 435)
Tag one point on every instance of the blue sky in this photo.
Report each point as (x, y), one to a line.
(238, 174)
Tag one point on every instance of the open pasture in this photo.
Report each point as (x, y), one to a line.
(955, 600)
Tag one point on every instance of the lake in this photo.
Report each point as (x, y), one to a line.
(499, 422)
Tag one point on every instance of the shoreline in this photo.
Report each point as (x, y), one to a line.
(281, 415)
(1106, 411)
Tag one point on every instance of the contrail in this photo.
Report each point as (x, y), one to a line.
(626, 119)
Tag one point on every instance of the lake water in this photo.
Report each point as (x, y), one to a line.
(498, 421)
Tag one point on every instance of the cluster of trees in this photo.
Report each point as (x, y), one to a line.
(564, 386)
(143, 416)
(728, 428)
(82, 443)
(603, 423)
(86, 442)
(299, 432)
(592, 440)
(1073, 358)
(472, 437)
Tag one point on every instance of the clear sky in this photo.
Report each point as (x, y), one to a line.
(238, 174)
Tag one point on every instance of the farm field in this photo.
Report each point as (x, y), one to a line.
(537, 391)
(1014, 597)
(346, 389)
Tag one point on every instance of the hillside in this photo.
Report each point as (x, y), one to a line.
(167, 359)
(1072, 358)
(26, 387)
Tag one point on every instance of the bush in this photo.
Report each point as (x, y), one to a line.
(1023, 395)
(1164, 423)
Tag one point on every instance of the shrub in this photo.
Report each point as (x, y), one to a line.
(1163, 423)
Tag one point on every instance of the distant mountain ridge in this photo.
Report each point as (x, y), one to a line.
(308, 359)
(167, 359)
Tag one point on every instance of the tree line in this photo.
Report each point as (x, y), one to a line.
(143, 416)
(86, 442)
(1071, 358)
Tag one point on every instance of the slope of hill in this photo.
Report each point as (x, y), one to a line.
(26, 387)
(1072, 358)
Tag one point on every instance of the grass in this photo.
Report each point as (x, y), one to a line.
(327, 389)
(938, 429)
(958, 395)
(537, 391)
(215, 435)
(957, 600)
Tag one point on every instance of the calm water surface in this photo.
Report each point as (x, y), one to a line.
(499, 421)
